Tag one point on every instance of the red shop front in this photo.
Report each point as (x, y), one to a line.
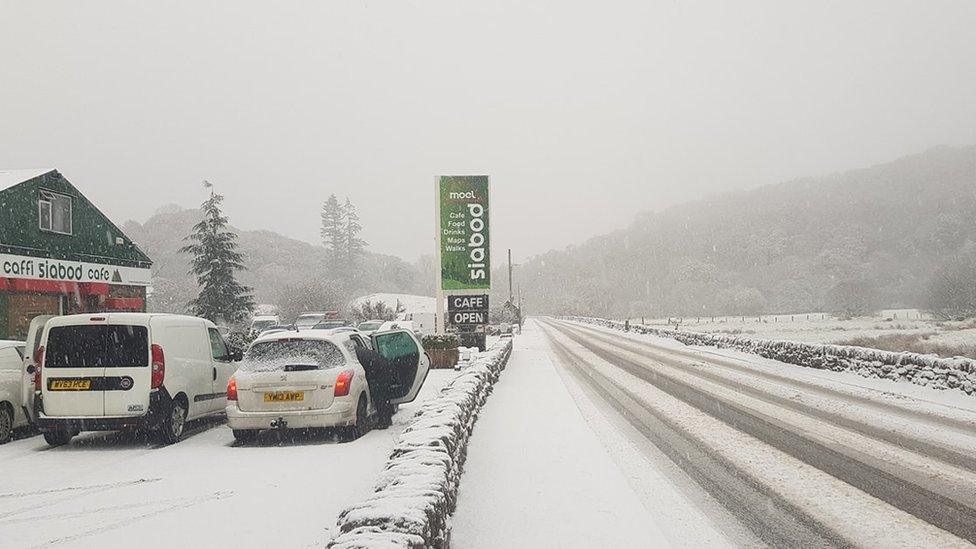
(22, 299)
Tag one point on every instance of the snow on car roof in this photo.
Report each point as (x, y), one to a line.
(333, 335)
(10, 343)
(9, 178)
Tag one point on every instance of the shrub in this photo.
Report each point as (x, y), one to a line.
(446, 341)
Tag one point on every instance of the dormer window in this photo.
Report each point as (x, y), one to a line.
(54, 212)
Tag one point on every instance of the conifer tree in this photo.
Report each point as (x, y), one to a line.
(355, 247)
(333, 230)
(214, 263)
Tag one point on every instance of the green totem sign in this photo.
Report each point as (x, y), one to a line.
(463, 232)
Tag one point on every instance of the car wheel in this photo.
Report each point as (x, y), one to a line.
(245, 435)
(171, 430)
(6, 424)
(362, 422)
(58, 438)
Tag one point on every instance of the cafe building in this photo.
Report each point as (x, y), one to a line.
(60, 255)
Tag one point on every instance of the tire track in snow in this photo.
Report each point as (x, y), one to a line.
(75, 493)
(730, 409)
(180, 504)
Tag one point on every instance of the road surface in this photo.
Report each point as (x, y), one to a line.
(112, 490)
(797, 460)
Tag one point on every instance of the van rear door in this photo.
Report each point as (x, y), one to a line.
(96, 369)
(34, 333)
(128, 375)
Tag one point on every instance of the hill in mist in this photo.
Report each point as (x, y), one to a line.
(279, 269)
(875, 235)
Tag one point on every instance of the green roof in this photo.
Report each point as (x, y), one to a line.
(94, 237)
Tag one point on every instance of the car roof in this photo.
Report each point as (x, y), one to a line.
(85, 318)
(337, 335)
(11, 343)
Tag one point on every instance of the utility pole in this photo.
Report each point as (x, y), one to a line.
(511, 296)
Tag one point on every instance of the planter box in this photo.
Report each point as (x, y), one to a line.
(443, 358)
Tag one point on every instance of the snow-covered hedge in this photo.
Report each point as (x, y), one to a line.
(926, 370)
(416, 493)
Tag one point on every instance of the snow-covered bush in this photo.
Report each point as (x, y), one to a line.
(926, 370)
(416, 493)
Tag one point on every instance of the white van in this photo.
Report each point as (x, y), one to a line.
(421, 323)
(111, 371)
(11, 409)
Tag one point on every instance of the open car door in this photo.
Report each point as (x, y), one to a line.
(410, 362)
(27, 374)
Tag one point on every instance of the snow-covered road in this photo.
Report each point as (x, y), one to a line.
(110, 490)
(796, 457)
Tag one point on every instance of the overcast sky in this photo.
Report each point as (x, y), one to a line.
(583, 113)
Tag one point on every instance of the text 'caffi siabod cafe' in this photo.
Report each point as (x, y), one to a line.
(60, 255)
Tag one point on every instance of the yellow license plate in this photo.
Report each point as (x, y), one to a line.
(70, 384)
(286, 396)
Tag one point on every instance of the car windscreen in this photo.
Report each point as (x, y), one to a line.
(107, 345)
(310, 320)
(370, 326)
(291, 355)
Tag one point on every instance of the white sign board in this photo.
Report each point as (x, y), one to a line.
(41, 268)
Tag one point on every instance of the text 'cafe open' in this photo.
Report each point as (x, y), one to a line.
(60, 255)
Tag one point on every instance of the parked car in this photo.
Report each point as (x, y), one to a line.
(261, 323)
(333, 324)
(11, 399)
(111, 371)
(305, 321)
(369, 326)
(277, 328)
(314, 380)
(29, 391)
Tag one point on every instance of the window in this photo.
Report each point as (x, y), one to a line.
(102, 346)
(292, 355)
(54, 212)
(358, 342)
(217, 346)
(396, 345)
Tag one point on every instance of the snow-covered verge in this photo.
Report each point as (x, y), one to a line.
(417, 492)
(925, 370)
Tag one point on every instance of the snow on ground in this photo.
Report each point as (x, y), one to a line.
(929, 400)
(825, 328)
(109, 490)
(537, 475)
(411, 303)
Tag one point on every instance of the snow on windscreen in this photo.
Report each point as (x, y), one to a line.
(286, 354)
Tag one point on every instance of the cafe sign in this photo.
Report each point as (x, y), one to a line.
(42, 268)
(462, 233)
(467, 309)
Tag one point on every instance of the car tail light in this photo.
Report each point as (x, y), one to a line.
(38, 360)
(232, 389)
(158, 366)
(343, 383)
